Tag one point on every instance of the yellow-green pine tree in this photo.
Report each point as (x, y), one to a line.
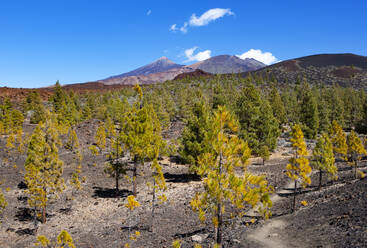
(99, 139)
(131, 204)
(143, 139)
(355, 150)
(64, 240)
(140, 126)
(298, 168)
(221, 184)
(43, 167)
(264, 153)
(114, 166)
(3, 202)
(110, 127)
(338, 139)
(159, 182)
(324, 159)
(73, 145)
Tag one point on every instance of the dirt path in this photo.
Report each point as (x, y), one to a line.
(268, 235)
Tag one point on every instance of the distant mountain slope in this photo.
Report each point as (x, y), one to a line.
(347, 70)
(193, 74)
(146, 79)
(160, 65)
(223, 64)
(164, 69)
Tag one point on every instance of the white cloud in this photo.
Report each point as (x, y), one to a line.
(264, 57)
(183, 29)
(209, 16)
(173, 27)
(149, 12)
(200, 56)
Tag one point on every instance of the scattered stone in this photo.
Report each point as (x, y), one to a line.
(199, 238)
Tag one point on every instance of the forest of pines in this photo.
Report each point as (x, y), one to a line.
(227, 122)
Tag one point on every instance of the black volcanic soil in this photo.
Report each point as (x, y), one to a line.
(193, 74)
(334, 216)
(346, 70)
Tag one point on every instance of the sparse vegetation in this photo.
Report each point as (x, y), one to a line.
(217, 125)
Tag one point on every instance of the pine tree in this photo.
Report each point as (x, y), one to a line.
(33, 103)
(355, 150)
(277, 106)
(221, 184)
(264, 153)
(73, 145)
(298, 167)
(109, 127)
(309, 115)
(323, 157)
(100, 138)
(114, 166)
(131, 204)
(218, 95)
(192, 138)
(3, 202)
(267, 128)
(176, 243)
(291, 105)
(86, 112)
(140, 130)
(336, 105)
(64, 240)
(58, 98)
(248, 112)
(43, 167)
(159, 182)
(339, 140)
(258, 124)
(324, 115)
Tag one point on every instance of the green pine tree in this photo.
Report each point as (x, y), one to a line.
(323, 157)
(43, 167)
(222, 186)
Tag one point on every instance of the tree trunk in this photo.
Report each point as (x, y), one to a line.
(134, 176)
(35, 218)
(117, 183)
(355, 169)
(117, 171)
(218, 239)
(263, 162)
(320, 179)
(44, 215)
(294, 196)
(153, 207)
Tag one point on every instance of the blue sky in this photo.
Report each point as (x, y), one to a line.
(84, 40)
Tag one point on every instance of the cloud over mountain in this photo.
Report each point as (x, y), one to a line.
(200, 56)
(264, 57)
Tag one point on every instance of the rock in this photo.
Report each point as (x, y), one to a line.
(273, 235)
(199, 238)
(236, 241)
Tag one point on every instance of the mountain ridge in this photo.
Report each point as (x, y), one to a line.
(164, 69)
(160, 65)
(344, 69)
